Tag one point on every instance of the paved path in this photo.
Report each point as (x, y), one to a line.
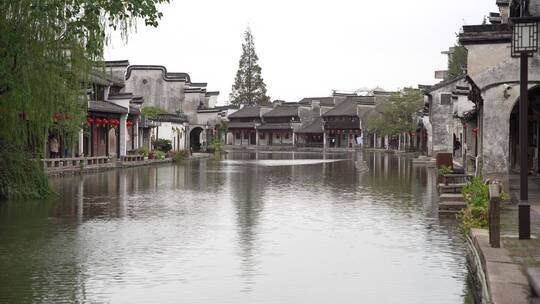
(525, 252)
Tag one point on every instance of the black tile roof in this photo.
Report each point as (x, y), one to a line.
(275, 126)
(345, 108)
(120, 96)
(134, 111)
(283, 111)
(362, 100)
(106, 107)
(117, 63)
(315, 127)
(247, 112)
(176, 118)
(217, 109)
(486, 34)
(444, 83)
(241, 125)
(324, 101)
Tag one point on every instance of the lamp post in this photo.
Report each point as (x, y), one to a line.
(524, 44)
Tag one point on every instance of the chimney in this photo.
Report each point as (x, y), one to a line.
(316, 108)
(504, 10)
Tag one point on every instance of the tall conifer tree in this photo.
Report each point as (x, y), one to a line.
(249, 87)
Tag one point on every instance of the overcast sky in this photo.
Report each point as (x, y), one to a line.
(305, 47)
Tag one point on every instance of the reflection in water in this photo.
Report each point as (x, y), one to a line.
(255, 228)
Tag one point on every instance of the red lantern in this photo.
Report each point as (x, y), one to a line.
(105, 122)
(465, 126)
(99, 121)
(89, 120)
(475, 130)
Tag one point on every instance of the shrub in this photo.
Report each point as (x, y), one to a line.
(163, 145)
(152, 154)
(152, 112)
(475, 215)
(180, 156)
(215, 146)
(505, 196)
(444, 170)
(143, 151)
(160, 155)
(476, 193)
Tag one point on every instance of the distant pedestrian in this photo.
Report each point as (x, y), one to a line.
(457, 146)
(54, 147)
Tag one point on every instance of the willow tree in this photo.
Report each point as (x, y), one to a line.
(49, 51)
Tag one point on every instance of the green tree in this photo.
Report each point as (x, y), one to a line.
(49, 52)
(152, 112)
(249, 87)
(397, 115)
(457, 62)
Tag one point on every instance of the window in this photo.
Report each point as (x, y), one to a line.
(246, 135)
(261, 135)
(287, 135)
(237, 135)
(446, 99)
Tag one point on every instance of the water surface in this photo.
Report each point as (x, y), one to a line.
(254, 228)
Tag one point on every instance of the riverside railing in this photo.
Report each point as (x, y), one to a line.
(74, 162)
(132, 158)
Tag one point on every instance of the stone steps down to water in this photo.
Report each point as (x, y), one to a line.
(451, 208)
(451, 203)
(451, 188)
(451, 197)
(423, 160)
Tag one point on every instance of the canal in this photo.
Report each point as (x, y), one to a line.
(252, 228)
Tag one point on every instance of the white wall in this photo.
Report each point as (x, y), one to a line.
(168, 130)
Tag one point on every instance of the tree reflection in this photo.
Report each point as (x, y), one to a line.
(247, 193)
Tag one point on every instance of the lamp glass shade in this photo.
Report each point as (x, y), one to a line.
(525, 38)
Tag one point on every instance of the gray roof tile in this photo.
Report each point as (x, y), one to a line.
(247, 112)
(241, 125)
(106, 107)
(283, 111)
(313, 128)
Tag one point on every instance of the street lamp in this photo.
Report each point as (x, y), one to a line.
(524, 44)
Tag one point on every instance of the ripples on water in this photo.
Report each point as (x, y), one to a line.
(265, 228)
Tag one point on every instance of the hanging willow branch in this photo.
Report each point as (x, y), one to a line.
(48, 52)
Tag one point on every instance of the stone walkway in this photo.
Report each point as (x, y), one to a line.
(525, 253)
